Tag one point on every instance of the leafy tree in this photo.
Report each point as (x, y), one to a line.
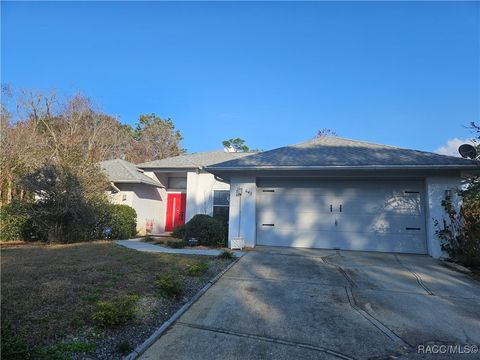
(155, 138)
(237, 144)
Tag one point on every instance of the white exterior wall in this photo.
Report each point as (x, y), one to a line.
(150, 206)
(148, 201)
(435, 193)
(117, 197)
(242, 217)
(200, 189)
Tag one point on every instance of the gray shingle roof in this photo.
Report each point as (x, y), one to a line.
(121, 171)
(339, 152)
(196, 160)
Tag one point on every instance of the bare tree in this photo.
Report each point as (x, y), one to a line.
(75, 135)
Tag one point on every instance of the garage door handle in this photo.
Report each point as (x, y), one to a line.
(412, 228)
(268, 224)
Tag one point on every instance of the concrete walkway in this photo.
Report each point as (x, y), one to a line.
(280, 303)
(138, 244)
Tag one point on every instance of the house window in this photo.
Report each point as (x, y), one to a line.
(177, 182)
(221, 202)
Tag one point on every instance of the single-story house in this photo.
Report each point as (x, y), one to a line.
(337, 193)
(166, 193)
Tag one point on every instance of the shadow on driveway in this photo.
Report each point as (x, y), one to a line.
(284, 303)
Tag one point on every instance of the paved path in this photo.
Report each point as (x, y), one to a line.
(280, 303)
(139, 245)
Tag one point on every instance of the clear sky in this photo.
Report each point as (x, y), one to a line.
(273, 73)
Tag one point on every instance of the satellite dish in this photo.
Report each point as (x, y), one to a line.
(467, 151)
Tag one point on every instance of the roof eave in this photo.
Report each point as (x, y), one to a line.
(356, 168)
(168, 168)
(138, 182)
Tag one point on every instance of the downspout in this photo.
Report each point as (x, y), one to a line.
(114, 187)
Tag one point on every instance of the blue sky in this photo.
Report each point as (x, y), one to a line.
(273, 73)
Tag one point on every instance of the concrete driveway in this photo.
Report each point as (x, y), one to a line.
(283, 303)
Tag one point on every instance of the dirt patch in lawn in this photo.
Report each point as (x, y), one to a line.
(50, 293)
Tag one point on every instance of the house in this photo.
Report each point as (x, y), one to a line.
(166, 193)
(337, 193)
(131, 186)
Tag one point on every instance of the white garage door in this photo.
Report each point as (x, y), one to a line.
(353, 215)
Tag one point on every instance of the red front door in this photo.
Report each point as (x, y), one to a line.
(175, 211)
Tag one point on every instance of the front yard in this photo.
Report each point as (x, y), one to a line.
(95, 300)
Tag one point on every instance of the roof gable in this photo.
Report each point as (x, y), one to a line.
(122, 171)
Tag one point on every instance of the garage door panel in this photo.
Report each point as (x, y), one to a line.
(404, 243)
(357, 215)
(345, 222)
(402, 204)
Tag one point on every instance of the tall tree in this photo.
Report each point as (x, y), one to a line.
(156, 138)
(73, 135)
(235, 144)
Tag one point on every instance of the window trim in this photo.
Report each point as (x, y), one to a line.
(221, 205)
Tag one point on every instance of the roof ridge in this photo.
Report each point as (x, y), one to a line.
(122, 162)
(387, 146)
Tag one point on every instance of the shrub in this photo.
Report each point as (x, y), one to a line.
(226, 255)
(179, 232)
(61, 213)
(460, 234)
(115, 313)
(198, 269)
(14, 221)
(169, 285)
(13, 346)
(122, 220)
(62, 350)
(207, 230)
(176, 244)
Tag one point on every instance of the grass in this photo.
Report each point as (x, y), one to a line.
(178, 243)
(54, 291)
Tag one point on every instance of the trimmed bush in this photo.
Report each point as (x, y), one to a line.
(179, 232)
(116, 313)
(169, 285)
(122, 220)
(198, 269)
(207, 230)
(14, 221)
(225, 255)
(175, 244)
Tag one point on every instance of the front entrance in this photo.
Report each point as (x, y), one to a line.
(176, 204)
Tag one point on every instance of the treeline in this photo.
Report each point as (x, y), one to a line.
(72, 134)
